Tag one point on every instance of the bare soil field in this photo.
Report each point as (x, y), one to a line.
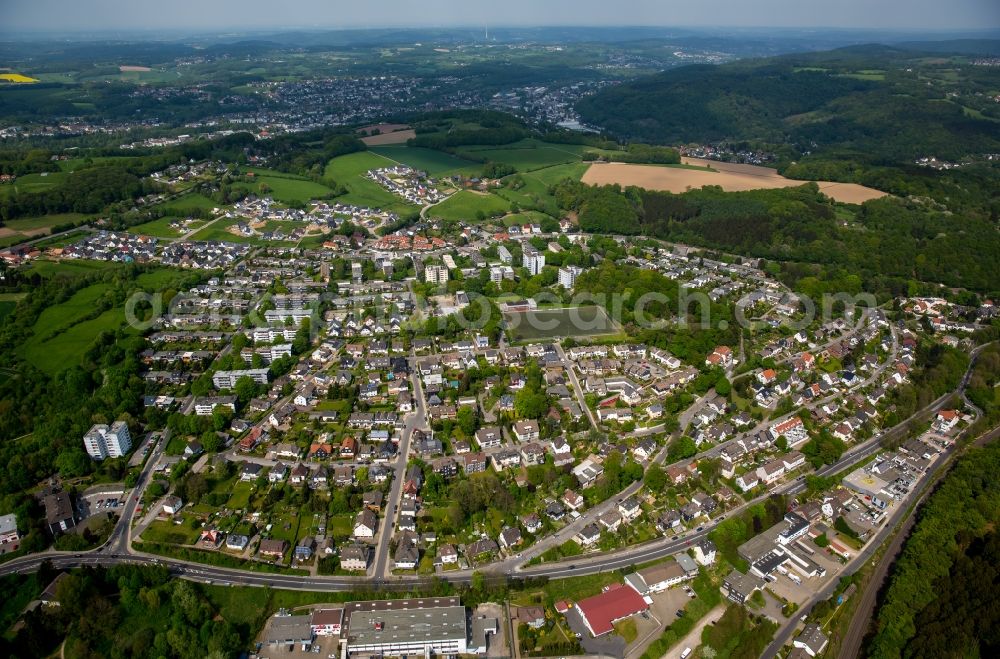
(731, 177)
(387, 134)
(129, 67)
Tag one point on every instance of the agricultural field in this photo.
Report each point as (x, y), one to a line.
(349, 171)
(20, 230)
(286, 188)
(731, 177)
(435, 163)
(469, 206)
(559, 322)
(16, 78)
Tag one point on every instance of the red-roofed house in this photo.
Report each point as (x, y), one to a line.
(617, 602)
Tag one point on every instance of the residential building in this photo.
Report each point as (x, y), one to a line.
(436, 274)
(228, 379)
(103, 442)
(568, 275)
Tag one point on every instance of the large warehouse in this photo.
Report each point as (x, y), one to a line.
(435, 625)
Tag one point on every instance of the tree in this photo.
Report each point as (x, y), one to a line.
(655, 478)
(245, 388)
(681, 449)
(723, 386)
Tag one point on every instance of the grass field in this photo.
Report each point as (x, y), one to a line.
(161, 228)
(39, 182)
(568, 321)
(64, 331)
(287, 188)
(187, 203)
(217, 231)
(28, 228)
(349, 170)
(526, 155)
(55, 268)
(467, 205)
(435, 163)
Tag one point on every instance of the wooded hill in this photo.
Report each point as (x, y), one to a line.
(879, 104)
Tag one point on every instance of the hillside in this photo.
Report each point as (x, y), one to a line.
(880, 104)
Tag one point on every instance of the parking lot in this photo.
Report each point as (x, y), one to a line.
(99, 502)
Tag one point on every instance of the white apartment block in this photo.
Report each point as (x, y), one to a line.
(227, 379)
(436, 274)
(103, 442)
(534, 261)
(568, 275)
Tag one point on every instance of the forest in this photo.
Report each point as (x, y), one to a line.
(947, 571)
(887, 241)
(883, 104)
(125, 611)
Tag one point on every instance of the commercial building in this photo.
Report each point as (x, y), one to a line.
(617, 602)
(658, 577)
(103, 442)
(286, 630)
(433, 625)
(227, 379)
(8, 529)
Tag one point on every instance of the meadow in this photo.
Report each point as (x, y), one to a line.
(287, 188)
(187, 203)
(160, 228)
(526, 155)
(469, 206)
(63, 332)
(435, 163)
(349, 171)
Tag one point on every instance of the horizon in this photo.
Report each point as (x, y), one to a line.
(114, 16)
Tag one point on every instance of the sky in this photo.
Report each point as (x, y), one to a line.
(220, 15)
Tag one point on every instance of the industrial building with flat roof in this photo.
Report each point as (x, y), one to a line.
(436, 625)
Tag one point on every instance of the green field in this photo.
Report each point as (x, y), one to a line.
(349, 171)
(63, 332)
(187, 203)
(528, 155)
(161, 228)
(39, 182)
(28, 228)
(217, 231)
(550, 323)
(287, 188)
(70, 268)
(467, 206)
(435, 163)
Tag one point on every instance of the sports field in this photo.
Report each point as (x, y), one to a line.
(559, 322)
(731, 177)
